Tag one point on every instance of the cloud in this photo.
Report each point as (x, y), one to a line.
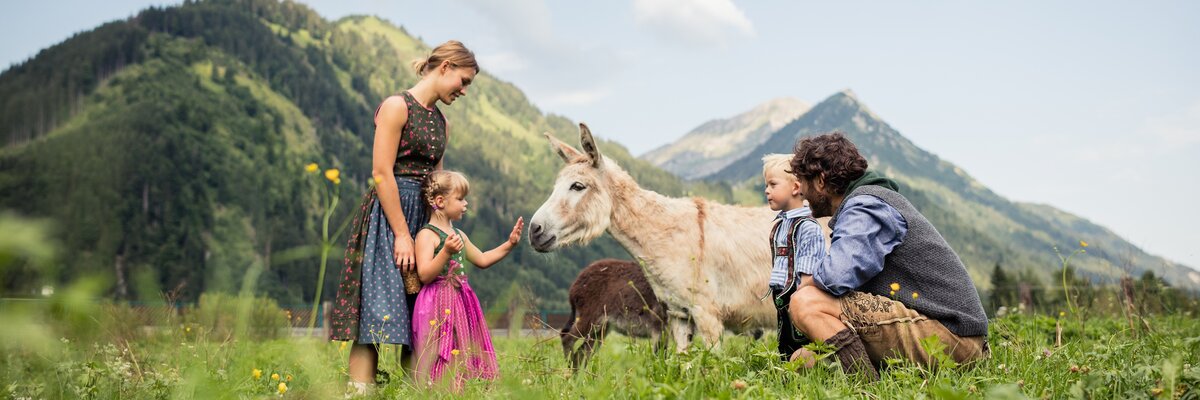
(552, 70)
(576, 98)
(1176, 130)
(696, 22)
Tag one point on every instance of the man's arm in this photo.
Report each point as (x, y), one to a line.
(867, 230)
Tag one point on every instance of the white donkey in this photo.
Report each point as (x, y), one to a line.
(708, 262)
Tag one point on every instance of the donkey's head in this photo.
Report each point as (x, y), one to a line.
(580, 206)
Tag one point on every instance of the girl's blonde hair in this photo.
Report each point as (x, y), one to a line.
(444, 183)
(778, 163)
(452, 51)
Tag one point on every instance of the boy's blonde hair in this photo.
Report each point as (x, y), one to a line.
(444, 183)
(778, 163)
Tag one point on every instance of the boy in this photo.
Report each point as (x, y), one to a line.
(797, 245)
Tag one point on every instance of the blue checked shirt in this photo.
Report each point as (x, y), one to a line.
(867, 230)
(809, 250)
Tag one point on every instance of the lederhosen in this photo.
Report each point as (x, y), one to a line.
(790, 338)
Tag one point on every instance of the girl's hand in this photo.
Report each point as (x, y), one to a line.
(515, 236)
(454, 243)
(403, 254)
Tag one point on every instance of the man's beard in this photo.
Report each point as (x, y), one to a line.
(821, 205)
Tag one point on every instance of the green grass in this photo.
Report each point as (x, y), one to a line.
(1104, 360)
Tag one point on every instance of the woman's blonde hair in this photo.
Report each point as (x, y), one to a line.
(444, 183)
(452, 51)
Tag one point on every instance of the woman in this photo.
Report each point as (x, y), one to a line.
(372, 307)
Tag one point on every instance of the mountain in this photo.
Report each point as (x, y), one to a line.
(169, 150)
(985, 228)
(718, 143)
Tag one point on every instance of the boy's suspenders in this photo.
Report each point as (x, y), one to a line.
(790, 284)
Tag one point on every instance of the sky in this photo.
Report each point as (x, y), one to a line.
(1092, 107)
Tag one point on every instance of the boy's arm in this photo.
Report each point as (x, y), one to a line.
(809, 249)
(429, 265)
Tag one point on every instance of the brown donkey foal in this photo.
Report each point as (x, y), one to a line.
(610, 294)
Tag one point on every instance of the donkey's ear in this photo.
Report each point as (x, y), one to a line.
(589, 145)
(564, 151)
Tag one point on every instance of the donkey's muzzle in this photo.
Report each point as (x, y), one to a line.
(540, 239)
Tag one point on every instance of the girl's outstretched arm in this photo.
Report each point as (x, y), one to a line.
(430, 265)
(484, 260)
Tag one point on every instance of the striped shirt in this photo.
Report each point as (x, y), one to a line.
(809, 250)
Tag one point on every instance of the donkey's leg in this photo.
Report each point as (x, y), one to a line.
(681, 329)
(591, 342)
(709, 328)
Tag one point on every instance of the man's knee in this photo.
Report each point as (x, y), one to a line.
(811, 301)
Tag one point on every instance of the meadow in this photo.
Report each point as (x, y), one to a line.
(74, 347)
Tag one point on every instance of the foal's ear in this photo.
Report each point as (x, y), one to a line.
(589, 145)
(564, 151)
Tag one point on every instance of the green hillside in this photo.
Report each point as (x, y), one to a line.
(168, 149)
(985, 228)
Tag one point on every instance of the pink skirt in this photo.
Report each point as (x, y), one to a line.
(450, 334)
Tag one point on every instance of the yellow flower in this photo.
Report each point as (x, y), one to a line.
(289, 377)
(311, 167)
(1083, 243)
(454, 352)
(188, 329)
(387, 317)
(895, 286)
(274, 377)
(432, 322)
(256, 373)
(1062, 314)
(915, 295)
(333, 175)
(282, 388)
(893, 293)
(343, 346)
(447, 311)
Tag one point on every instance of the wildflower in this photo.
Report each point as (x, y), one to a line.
(1062, 314)
(1082, 243)
(275, 377)
(256, 373)
(289, 377)
(282, 388)
(333, 175)
(916, 295)
(893, 293)
(454, 352)
(432, 322)
(387, 317)
(895, 286)
(739, 384)
(187, 329)
(447, 311)
(343, 346)
(312, 167)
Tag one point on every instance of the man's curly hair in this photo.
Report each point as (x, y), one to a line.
(831, 155)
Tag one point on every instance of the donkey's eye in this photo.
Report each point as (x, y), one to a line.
(577, 186)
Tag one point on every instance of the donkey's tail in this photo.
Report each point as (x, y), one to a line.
(570, 322)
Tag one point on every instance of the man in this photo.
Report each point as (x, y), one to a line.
(889, 278)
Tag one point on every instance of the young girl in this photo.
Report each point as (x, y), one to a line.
(372, 307)
(449, 332)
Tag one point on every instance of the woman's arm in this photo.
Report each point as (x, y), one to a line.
(484, 260)
(430, 265)
(389, 125)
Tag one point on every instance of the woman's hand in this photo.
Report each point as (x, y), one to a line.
(515, 236)
(403, 253)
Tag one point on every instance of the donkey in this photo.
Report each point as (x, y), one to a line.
(610, 294)
(708, 262)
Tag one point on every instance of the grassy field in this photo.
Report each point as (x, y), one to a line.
(86, 354)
